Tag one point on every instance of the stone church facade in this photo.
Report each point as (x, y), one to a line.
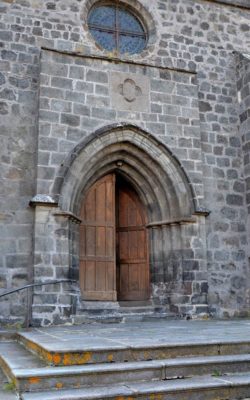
(164, 132)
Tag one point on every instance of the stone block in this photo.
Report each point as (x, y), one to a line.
(45, 299)
(8, 55)
(75, 96)
(163, 98)
(104, 114)
(50, 92)
(234, 199)
(61, 106)
(7, 94)
(49, 116)
(43, 309)
(54, 69)
(97, 76)
(172, 110)
(102, 90)
(48, 143)
(44, 244)
(87, 87)
(186, 90)
(18, 261)
(81, 109)
(76, 72)
(156, 128)
(46, 173)
(62, 83)
(162, 86)
(69, 119)
(43, 273)
(62, 272)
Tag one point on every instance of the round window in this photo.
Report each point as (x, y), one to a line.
(115, 28)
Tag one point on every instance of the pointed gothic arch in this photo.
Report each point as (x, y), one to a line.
(175, 218)
(147, 163)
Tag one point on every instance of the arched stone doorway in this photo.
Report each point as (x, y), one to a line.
(175, 218)
(113, 243)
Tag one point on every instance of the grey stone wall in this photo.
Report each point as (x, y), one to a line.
(79, 95)
(243, 86)
(195, 36)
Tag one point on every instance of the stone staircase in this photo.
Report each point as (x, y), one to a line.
(43, 369)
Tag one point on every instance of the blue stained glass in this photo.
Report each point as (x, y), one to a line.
(105, 39)
(103, 16)
(127, 22)
(131, 45)
(115, 28)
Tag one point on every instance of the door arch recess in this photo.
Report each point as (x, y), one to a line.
(163, 186)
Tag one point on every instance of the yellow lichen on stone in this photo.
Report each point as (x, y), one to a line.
(76, 359)
(155, 396)
(56, 359)
(49, 357)
(34, 380)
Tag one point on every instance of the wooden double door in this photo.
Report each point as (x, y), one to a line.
(113, 243)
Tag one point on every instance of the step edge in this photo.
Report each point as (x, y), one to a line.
(154, 346)
(44, 372)
(194, 386)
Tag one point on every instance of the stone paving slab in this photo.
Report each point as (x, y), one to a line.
(138, 335)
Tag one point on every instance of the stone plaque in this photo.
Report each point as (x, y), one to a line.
(129, 92)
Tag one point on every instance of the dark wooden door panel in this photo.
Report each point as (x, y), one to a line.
(97, 242)
(132, 249)
(105, 234)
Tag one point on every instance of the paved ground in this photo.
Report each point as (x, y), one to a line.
(153, 333)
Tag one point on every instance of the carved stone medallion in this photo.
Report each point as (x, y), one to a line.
(130, 92)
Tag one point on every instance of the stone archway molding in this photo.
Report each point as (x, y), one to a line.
(147, 163)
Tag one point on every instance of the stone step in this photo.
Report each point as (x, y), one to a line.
(101, 349)
(36, 379)
(13, 356)
(230, 387)
(137, 303)
(124, 311)
(118, 312)
(122, 316)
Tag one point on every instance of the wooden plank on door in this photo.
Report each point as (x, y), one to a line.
(133, 265)
(97, 242)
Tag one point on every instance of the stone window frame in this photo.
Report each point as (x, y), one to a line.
(139, 11)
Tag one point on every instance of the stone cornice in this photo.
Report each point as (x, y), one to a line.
(43, 200)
